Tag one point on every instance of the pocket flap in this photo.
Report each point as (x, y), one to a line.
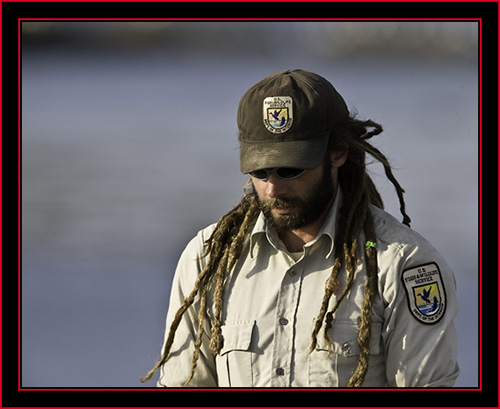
(237, 336)
(344, 337)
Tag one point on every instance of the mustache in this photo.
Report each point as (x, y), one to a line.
(280, 203)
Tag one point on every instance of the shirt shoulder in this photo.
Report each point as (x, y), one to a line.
(196, 246)
(392, 232)
(192, 261)
(400, 247)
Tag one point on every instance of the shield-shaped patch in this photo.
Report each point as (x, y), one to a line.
(425, 292)
(278, 114)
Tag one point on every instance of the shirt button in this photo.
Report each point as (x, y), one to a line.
(292, 272)
(346, 346)
(280, 371)
(283, 321)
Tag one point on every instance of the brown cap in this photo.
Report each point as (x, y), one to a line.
(285, 121)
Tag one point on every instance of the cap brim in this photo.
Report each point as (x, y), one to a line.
(306, 154)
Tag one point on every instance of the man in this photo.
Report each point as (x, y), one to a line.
(308, 282)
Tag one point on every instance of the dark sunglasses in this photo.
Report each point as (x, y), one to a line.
(282, 173)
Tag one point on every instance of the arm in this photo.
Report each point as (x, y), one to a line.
(420, 338)
(177, 369)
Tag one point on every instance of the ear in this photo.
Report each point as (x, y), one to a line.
(338, 158)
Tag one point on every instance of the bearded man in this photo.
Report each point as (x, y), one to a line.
(307, 282)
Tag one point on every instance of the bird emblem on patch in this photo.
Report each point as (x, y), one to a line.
(425, 292)
(278, 114)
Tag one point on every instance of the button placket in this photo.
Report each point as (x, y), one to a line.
(284, 332)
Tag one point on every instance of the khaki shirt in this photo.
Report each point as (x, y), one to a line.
(271, 302)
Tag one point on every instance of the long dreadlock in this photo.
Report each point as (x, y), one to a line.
(225, 245)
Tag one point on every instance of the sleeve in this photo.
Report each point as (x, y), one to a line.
(419, 333)
(177, 368)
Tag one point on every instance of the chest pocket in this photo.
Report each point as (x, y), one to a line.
(335, 367)
(234, 364)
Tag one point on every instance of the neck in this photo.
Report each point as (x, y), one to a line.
(295, 240)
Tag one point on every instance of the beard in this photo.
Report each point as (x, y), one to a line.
(307, 209)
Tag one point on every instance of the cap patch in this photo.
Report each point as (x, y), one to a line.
(278, 114)
(425, 291)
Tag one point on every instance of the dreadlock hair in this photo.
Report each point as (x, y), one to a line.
(355, 217)
(225, 245)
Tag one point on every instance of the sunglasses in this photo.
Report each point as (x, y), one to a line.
(282, 173)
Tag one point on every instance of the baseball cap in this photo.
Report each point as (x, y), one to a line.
(285, 121)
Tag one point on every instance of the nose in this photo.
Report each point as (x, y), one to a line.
(275, 186)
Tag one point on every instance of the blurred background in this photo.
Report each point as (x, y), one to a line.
(129, 147)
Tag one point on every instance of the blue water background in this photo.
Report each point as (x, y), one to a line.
(129, 147)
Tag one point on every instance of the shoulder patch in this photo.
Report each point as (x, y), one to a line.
(425, 292)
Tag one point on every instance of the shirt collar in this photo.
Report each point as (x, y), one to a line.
(328, 229)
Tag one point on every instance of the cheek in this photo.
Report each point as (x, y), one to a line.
(257, 184)
(259, 187)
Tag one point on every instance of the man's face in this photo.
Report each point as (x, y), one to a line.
(295, 203)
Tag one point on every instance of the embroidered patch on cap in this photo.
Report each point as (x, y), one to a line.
(425, 291)
(278, 114)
